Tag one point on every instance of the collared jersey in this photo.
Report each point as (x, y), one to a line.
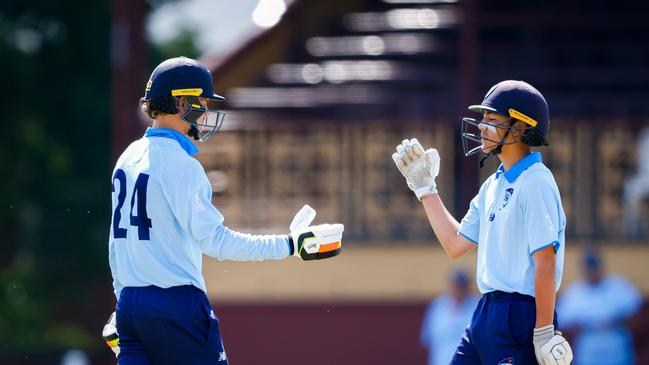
(164, 221)
(515, 214)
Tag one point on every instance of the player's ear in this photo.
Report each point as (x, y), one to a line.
(181, 104)
(519, 128)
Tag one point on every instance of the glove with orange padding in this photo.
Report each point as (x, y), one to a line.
(317, 242)
(109, 333)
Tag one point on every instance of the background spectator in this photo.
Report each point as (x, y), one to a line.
(446, 318)
(595, 309)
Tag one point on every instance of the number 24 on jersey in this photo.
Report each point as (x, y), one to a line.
(140, 220)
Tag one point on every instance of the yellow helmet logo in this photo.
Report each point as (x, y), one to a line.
(148, 85)
(520, 116)
(191, 92)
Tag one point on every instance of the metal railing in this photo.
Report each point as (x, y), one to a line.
(262, 175)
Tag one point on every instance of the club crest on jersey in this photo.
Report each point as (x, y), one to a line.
(508, 195)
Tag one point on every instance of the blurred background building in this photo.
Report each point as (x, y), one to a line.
(318, 94)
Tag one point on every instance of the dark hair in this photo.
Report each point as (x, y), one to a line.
(531, 135)
(158, 106)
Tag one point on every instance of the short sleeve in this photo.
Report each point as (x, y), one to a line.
(543, 217)
(470, 225)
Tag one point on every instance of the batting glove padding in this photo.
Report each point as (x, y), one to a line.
(419, 167)
(550, 347)
(317, 242)
(109, 333)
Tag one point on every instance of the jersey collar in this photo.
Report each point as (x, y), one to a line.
(512, 174)
(185, 143)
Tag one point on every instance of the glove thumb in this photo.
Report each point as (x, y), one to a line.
(432, 161)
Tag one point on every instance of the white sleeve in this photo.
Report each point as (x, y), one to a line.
(543, 217)
(190, 198)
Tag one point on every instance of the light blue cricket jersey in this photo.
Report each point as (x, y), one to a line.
(164, 221)
(516, 213)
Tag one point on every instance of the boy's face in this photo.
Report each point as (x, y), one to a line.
(184, 107)
(196, 111)
(492, 128)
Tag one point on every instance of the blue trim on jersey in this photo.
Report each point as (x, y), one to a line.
(291, 249)
(514, 172)
(556, 245)
(467, 237)
(185, 143)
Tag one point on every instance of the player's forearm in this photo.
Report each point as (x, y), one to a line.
(231, 245)
(545, 293)
(445, 227)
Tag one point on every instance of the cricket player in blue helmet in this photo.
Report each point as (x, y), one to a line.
(163, 222)
(516, 222)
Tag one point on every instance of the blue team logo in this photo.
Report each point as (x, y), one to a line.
(492, 216)
(508, 195)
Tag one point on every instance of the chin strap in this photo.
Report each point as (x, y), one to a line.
(193, 132)
(482, 160)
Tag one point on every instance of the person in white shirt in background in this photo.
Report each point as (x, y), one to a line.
(595, 309)
(636, 190)
(446, 318)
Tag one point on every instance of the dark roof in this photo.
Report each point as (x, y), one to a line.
(421, 57)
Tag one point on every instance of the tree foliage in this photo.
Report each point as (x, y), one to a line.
(55, 194)
(55, 155)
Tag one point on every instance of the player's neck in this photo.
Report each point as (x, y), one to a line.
(511, 154)
(169, 122)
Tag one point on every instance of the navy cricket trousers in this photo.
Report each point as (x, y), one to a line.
(167, 326)
(500, 332)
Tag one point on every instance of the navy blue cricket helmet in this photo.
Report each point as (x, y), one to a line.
(517, 100)
(180, 76)
(178, 83)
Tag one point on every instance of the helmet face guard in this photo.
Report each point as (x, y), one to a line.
(204, 121)
(472, 141)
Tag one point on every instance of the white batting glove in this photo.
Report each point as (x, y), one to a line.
(419, 167)
(109, 333)
(550, 347)
(317, 242)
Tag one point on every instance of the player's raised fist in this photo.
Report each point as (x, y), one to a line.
(420, 167)
(317, 242)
